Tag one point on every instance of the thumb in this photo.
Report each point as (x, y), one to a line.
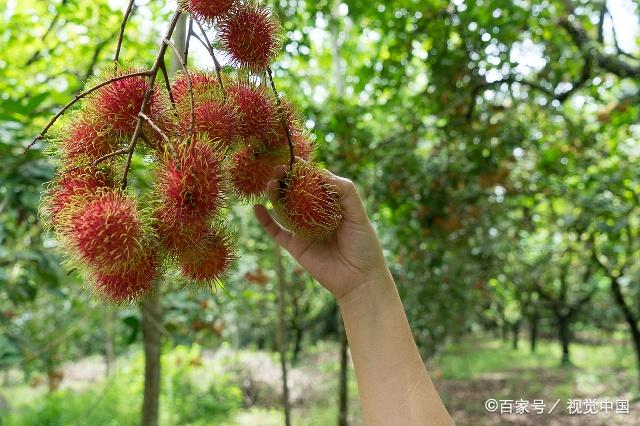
(354, 210)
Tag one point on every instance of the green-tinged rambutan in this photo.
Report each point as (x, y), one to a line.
(309, 205)
(256, 109)
(252, 169)
(107, 232)
(73, 185)
(250, 34)
(303, 146)
(207, 10)
(130, 285)
(210, 258)
(190, 186)
(287, 115)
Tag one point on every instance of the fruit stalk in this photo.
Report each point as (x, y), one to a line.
(282, 118)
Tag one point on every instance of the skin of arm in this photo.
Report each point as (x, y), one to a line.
(395, 388)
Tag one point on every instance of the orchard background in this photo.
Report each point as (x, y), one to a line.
(496, 146)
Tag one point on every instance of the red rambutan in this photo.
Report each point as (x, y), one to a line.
(257, 111)
(200, 82)
(252, 169)
(130, 285)
(208, 10)
(210, 258)
(250, 33)
(119, 103)
(303, 146)
(176, 236)
(190, 183)
(216, 119)
(74, 183)
(108, 232)
(309, 206)
(85, 139)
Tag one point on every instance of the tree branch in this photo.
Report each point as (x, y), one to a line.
(76, 98)
(153, 125)
(183, 65)
(123, 25)
(608, 62)
(207, 44)
(147, 96)
(283, 118)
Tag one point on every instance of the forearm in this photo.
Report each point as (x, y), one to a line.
(395, 388)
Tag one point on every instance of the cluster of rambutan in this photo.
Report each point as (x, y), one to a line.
(105, 231)
(211, 137)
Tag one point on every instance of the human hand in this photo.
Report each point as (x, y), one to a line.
(352, 256)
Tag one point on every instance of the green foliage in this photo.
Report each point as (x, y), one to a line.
(191, 395)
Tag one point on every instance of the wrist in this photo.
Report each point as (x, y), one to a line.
(372, 293)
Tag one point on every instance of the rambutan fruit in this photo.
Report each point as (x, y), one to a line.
(252, 169)
(257, 111)
(210, 258)
(200, 82)
(71, 185)
(303, 146)
(216, 119)
(309, 205)
(250, 34)
(207, 10)
(107, 232)
(190, 182)
(118, 103)
(84, 138)
(176, 236)
(130, 285)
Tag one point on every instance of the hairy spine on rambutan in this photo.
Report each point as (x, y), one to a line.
(190, 188)
(303, 146)
(73, 185)
(288, 119)
(309, 205)
(130, 285)
(210, 258)
(84, 138)
(107, 232)
(213, 117)
(118, 103)
(252, 169)
(257, 111)
(251, 36)
(202, 82)
(207, 10)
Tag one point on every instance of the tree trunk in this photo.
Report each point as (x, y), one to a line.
(515, 329)
(505, 331)
(564, 334)
(630, 319)
(343, 403)
(151, 305)
(151, 332)
(109, 354)
(282, 333)
(533, 330)
(297, 343)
